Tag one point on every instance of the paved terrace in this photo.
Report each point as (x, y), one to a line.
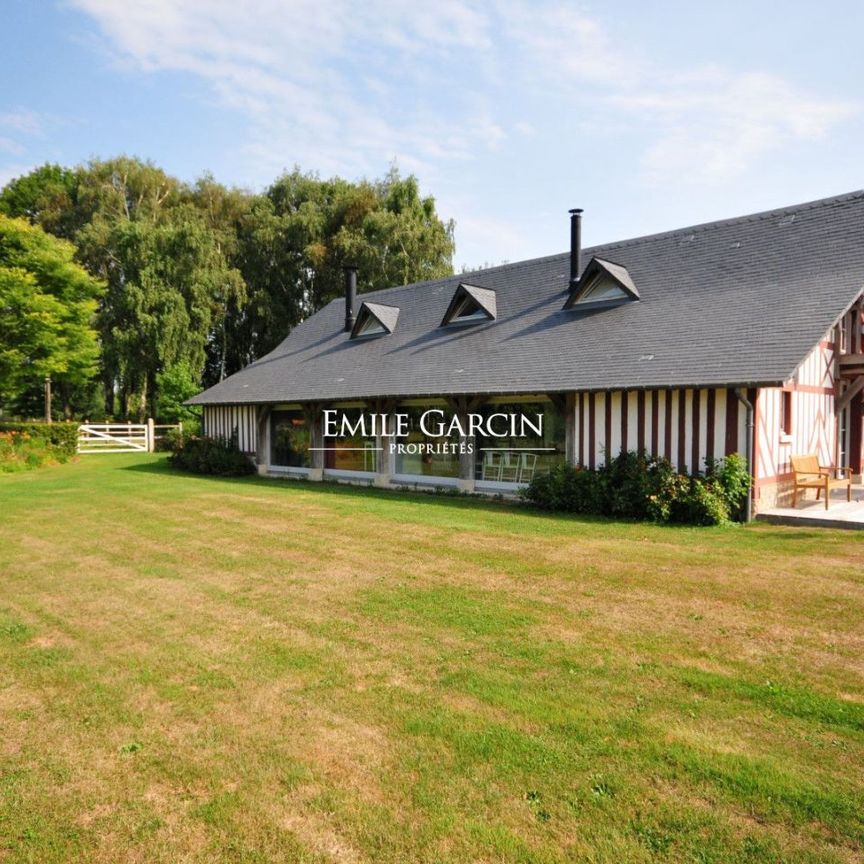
(812, 513)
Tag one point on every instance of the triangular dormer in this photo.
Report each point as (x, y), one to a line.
(602, 284)
(471, 304)
(374, 319)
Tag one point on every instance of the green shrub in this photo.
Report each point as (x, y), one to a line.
(630, 481)
(63, 437)
(731, 480)
(169, 440)
(638, 486)
(698, 503)
(567, 489)
(31, 445)
(210, 456)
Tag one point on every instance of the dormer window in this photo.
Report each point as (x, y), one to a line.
(374, 319)
(603, 284)
(471, 304)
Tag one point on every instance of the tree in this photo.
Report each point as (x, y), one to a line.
(295, 239)
(223, 211)
(175, 386)
(164, 279)
(48, 197)
(47, 308)
(166, 271)
(214, 277)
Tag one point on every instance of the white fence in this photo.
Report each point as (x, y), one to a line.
(121, 437)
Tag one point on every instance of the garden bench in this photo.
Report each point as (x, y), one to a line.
(809, 474)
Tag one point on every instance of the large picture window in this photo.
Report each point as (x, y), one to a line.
(512, 459)
(425, 456)
(351, 453)
(289, 440)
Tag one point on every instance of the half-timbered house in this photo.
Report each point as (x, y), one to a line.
(743, 335)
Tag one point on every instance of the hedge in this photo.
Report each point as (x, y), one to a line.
(635, 485)
(31, 445)
(61, 436)
(209, 456)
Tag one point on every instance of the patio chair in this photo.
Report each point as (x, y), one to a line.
(492, 464)
(370, 456)
(510, 467)
(809, 474)
(527, 467)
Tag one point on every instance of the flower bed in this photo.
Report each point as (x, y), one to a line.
(32, 445)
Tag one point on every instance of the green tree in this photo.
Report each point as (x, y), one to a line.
(214, 277)
(163, 279)
(48, 197)
(223, 210)
(47, 309)
(175, 386)
(295, 239)
(167, 274)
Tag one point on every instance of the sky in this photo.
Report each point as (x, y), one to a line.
(650, 116)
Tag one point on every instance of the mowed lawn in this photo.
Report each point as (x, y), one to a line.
(206, 670)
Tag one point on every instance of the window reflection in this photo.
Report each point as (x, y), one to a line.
(512, 459)
(426, 457)
(289, 440)
(354, 453)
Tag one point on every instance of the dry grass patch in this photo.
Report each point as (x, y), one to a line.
(205, 670)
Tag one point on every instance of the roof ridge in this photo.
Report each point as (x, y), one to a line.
(459, 276)
(699, 227)
(734, 220)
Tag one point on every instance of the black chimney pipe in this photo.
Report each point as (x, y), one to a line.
(350, 295)
(575, 245)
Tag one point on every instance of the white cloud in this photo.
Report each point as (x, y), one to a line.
(317, 81)
(22, 121)
(714, 126)
(706, 124)
(17, 126)
(346, 87)
(9, 145)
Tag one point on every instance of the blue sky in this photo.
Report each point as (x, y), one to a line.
(648, 115)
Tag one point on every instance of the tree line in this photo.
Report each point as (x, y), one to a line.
(133, 290)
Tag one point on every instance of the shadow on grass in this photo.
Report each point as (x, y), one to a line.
(448, 500)
(344, 490)
(451, 500)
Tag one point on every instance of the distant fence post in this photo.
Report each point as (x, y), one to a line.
(151, 435)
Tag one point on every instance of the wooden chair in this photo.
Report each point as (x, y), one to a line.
(809, 474)
(493, 462)
(528, 467)
(510, 467)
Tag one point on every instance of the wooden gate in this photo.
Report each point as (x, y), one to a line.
(115, 438)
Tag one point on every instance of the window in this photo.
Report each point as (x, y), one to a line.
(427, 455)
(370, 326)
(603, 284)
(468, 309)
(786, 412)
(520, 459)
(289, 439)
(374, 319)
(354, 453)
(470, 304)
(602, 289)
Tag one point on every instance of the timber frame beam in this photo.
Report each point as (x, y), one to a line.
(841, 401)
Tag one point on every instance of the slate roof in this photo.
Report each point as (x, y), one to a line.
(736, 302)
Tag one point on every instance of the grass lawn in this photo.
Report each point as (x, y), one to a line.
(202, 670)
